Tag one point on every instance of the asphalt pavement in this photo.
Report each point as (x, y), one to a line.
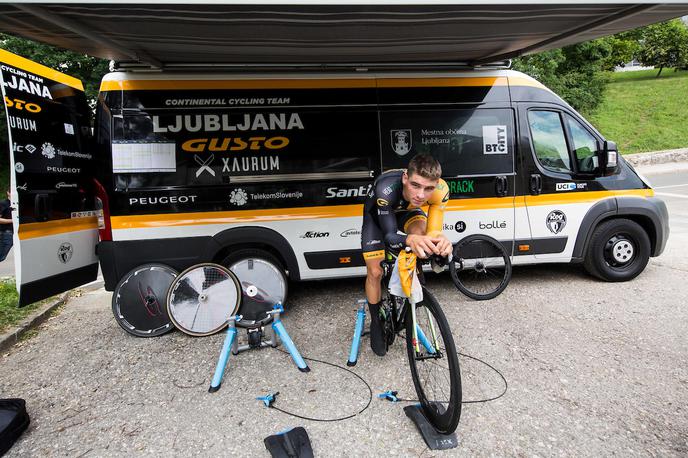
(593, 369)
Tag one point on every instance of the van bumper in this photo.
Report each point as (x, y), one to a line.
(662, 225)
(652, 208)
(118, 258)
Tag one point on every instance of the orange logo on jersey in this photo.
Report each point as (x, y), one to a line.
(382, 203)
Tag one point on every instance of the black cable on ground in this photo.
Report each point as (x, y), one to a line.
(370, 394)
(477, 401)
(506, 385)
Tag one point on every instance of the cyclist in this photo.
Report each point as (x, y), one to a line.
(392, 215)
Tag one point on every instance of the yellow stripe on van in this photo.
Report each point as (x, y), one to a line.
(38, 69)
(234, 217)
(61, 226)
(135, 85)
(443, 82)
(325, 83)
(520, 81)
(348, 211)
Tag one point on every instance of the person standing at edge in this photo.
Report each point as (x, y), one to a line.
(6, 228)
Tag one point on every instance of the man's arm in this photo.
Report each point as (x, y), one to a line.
(5, 221)
(438, 202)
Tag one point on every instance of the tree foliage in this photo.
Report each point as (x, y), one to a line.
(664, 45)
(574, 72)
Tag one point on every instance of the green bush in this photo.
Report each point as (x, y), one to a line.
(575, 73)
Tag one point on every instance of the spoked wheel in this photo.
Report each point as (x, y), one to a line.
(480, 268)
(434, 364)
(202, 298)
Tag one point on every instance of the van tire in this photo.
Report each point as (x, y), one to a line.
(619, 250)
(253, 253)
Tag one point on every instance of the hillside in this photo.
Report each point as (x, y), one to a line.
(643, 113)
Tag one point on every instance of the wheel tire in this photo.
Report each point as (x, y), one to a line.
(446, 422)
(619, 250)
(251, 253)
(458, 255)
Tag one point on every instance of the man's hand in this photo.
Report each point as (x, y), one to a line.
(423, 245)
(443, 245)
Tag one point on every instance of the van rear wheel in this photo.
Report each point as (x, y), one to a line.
(619, 250)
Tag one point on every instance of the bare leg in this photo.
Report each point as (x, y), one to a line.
(373, 278)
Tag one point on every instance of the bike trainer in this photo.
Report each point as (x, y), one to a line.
(256, 339)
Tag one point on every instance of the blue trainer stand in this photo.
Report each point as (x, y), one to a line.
(275, 330)
(358, 332)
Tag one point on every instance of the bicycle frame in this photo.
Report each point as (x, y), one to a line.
(398, 315)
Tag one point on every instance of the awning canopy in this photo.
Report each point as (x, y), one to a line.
(227, 34)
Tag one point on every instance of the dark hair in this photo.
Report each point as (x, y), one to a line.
(425, 166)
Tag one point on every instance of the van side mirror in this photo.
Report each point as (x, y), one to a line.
(610, 153)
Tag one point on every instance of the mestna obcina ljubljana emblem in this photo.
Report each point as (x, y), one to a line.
(401, 141)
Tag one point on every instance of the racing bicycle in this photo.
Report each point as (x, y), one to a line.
(430, 347)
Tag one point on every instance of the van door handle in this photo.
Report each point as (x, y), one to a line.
(501, 186)
(535, 184)
(41, 207)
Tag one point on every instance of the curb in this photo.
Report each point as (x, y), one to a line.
(39, 316)
(658, 157)
(13, 336)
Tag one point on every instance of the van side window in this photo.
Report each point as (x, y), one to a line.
(584, 146)
(549, 140)
(467, 142)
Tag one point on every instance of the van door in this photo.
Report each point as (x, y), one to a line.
(560, 165)
(55, 224)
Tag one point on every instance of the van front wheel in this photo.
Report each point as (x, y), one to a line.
(619, 250)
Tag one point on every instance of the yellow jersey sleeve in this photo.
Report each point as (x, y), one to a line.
(437, 203)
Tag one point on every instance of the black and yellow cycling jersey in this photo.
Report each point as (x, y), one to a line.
(386, 212)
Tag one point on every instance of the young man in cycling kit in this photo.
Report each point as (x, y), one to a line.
(393, 206)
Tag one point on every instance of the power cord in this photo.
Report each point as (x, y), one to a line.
(370, 394)
(370, 391)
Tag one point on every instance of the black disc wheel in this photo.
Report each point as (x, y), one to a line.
(138, 302)
(202, 298)
(263, 284)
(480, 267)
(434, 364)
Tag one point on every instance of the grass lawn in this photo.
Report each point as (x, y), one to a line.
(10, 314)
(643, 113)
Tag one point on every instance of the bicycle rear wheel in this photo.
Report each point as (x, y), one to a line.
(434, 364)
(480, 267)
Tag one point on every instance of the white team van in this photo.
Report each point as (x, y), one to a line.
(189, 168)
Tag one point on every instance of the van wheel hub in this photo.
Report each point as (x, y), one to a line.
(619, 250)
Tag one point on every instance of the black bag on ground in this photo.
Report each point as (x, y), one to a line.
(13, 422)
